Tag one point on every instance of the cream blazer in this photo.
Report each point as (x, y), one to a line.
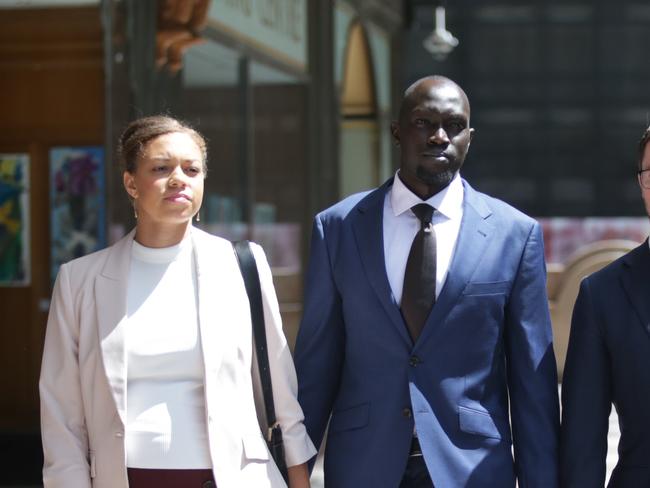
(83, 372)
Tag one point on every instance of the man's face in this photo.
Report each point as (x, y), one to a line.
(434, 135)
(645, 164)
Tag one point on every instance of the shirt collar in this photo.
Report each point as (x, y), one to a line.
(448, 201)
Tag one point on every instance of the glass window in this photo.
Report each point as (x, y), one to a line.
(253, 117)
(210, 99)
(279, 161)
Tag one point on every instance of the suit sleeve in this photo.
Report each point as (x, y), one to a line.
(586, 398)
(320, 345)
(298, 448)
(532, 372)
(63, 427)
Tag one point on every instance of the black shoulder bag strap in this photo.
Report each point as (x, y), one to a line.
(251, 277)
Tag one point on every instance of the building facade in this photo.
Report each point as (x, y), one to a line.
(276, 86)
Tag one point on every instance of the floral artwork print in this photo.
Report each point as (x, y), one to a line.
(77, 203)
(14, 220)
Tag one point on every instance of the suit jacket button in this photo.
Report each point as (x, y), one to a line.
(407, 413)
(414, 361)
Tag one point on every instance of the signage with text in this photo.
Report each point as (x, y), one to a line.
(278, 27)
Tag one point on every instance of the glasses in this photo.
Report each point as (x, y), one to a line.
(644, 178)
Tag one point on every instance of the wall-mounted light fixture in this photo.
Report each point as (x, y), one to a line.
(440, 42)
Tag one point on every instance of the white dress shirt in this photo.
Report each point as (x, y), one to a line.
(401, 225)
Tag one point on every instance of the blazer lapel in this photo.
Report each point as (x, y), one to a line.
(473, 238)
(110, 299)
(369, 236)
(220, 294)
(636, 270)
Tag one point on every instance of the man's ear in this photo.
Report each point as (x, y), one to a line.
(129, 184)
(394, 131)
(471, 134)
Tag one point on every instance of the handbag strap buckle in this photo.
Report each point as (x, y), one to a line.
(269, 432)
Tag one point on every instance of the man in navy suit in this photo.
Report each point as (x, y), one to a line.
(442, 402)
(608, 361)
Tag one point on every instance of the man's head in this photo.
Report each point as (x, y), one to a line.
(433, 133)
(644, 169)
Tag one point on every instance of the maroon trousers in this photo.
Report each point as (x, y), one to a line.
(170, 478)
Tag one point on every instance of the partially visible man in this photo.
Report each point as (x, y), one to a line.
(608, 362)
(426, 335)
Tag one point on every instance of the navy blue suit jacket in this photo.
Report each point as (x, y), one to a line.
(608, 361)
(486, 350)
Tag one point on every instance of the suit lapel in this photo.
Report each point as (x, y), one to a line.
(369, 236)
(473, 238)
(110, 297)
(636, 272)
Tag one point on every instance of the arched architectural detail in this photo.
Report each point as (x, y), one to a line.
(358, 98)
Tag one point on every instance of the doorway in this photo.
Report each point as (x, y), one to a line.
(359, 144)
(51, 81)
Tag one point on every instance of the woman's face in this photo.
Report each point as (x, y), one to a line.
(167, 186)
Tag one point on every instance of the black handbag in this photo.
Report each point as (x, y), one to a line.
(273, 434)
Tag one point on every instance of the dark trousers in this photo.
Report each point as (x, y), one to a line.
(416, 474)
(170, 478)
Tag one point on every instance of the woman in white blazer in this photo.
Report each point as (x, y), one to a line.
(146, 377)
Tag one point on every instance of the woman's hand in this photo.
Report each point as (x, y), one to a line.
(299, 476)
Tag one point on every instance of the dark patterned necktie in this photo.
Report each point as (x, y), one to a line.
(419, 291)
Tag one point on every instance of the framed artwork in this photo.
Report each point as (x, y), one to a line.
(77, 203)
(14, 220)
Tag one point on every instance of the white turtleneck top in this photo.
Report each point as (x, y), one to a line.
(166, 424)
